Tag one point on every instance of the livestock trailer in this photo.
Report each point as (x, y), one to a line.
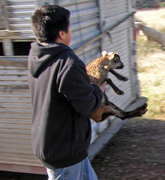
(96, 25)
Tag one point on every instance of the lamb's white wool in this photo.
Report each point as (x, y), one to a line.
(104, 53)
(110, 53)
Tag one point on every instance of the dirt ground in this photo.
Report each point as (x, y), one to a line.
(136, 152)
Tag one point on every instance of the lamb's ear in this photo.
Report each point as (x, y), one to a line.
(104, 53)
(112, 55)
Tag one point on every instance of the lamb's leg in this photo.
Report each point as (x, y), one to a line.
(119, 76)
(113, 110)
(108, 109)
(114, 87)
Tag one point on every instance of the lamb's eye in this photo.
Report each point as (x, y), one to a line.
(115, 61)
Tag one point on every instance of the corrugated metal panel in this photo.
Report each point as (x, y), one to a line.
(15, 116)
(119, 42)
(121, 45)
(19, 13)
(84, 26)
(114, 10)
(84, 19)
(84, 23)
(2, 15)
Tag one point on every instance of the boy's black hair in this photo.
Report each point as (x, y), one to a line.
(48, 20)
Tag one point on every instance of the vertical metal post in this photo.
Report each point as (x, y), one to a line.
(42, 2)
(2, 13)
(4, 17)
(102, 21)
(133, 3)
(7, 43)
(56, 2)
(133, 57)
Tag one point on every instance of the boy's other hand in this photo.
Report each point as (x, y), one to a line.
(102, 87)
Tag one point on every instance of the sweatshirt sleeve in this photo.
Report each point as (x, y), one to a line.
(75, 86)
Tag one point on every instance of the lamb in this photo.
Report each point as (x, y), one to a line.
(98, 71)
(151, 33)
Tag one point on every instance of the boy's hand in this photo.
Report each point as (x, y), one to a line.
(102, 87)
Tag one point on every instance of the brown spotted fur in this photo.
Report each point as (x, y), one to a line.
(98, 71)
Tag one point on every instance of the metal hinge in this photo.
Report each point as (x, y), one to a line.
(134, 51)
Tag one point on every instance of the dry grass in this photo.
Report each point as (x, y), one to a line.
(153, 18)
(151, 65)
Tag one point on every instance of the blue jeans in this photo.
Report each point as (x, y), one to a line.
(80, 171)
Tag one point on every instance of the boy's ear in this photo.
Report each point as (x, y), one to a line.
(61, 35)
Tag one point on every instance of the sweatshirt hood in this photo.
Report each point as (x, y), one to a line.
(39, 56)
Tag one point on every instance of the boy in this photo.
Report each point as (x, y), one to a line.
(62, 98)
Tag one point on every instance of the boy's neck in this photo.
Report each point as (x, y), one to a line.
(58, 40)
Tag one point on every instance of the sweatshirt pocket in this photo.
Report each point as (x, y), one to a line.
(82, 134)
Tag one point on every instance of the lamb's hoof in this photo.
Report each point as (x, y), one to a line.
(119, 92)
(139, 111)
(143, 109)
(124, 79)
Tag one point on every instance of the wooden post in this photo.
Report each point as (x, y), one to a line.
(8, 47)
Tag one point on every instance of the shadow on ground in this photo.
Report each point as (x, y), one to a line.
(135, 152)
(4, 175)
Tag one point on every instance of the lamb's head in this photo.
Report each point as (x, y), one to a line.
(113, 62)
